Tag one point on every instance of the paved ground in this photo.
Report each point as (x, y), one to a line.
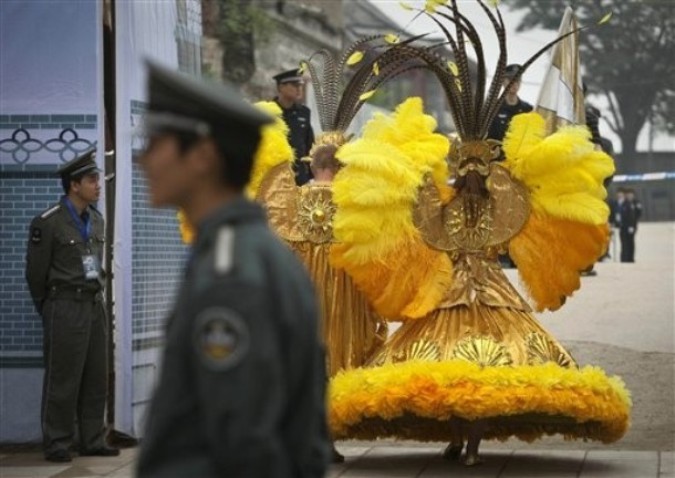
(379, 460)
(621, 320)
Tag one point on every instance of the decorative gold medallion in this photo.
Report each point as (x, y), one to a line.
(483, 351)
(315, 213)
(541, 350)
(466, 236)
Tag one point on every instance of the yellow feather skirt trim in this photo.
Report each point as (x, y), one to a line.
(415, 400)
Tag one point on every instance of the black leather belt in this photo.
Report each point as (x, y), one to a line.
(75, 293)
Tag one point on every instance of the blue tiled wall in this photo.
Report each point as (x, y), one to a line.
(56, 121)
(158, 258)
(23, 195)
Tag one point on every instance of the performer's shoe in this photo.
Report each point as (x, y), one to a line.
(472, 460)
(59, 456)
(102, 451)
(453, 452)
(337, 456)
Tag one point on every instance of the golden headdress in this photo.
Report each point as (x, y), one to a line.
(342, 86)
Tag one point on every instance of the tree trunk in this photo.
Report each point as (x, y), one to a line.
(629, 136)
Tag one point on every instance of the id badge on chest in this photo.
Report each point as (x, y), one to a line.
(92, 267)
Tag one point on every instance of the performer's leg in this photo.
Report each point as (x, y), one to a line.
(454, 449)
(476, 431)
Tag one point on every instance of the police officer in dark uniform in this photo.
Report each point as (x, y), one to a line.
(242, 387)
(630, 211)
(63, 271)
(511, 106)
(297, 117)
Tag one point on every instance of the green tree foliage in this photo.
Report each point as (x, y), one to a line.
(629, 59)
(242, 24)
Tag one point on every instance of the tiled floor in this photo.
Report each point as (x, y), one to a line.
(385, 460)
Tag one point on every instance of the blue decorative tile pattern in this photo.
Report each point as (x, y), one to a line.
(23, 136)
(23, 195)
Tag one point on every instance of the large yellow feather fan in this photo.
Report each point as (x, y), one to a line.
(567, 230)
(375, 192)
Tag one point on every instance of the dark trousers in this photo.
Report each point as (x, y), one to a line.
(75, 380)
(627, 245)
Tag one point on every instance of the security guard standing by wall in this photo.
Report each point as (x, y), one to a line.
(242, 387)
(297, 117)
(63, 271)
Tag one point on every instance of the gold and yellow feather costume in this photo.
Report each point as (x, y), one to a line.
(302, 217)
(469, 346)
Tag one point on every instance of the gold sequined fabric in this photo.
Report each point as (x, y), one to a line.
(485, 335)
(482, 318)
(302, 217)
(350, 328)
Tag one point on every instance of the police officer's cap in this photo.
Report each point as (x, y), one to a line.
(178, 102)
(84, 163)
(511, 70)
(289, 76)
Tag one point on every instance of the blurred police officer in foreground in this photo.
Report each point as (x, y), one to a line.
(301, 136)
(241, 391)
(63, 270)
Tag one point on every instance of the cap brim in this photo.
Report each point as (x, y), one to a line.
(297, 79)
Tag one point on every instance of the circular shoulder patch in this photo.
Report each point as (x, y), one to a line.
(36, 235)
(221, 338)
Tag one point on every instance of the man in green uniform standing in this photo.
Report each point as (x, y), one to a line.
(242, 387)
(63, 271)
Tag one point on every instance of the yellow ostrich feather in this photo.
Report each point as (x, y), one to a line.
(563, 172)
(274, 148)
(567, 230)
(552, 252)
(375, 192)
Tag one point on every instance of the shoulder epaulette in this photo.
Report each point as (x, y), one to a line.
(50, 212)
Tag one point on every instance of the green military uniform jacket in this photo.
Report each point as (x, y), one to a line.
(241, 391)
(55, 251)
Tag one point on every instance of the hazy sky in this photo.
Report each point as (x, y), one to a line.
(520, 47)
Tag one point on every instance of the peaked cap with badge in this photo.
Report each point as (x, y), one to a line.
(289, 76)
(512, 70)
(84, 163)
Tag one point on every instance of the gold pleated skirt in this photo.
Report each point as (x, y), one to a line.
(351, 330)
(476, 362)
